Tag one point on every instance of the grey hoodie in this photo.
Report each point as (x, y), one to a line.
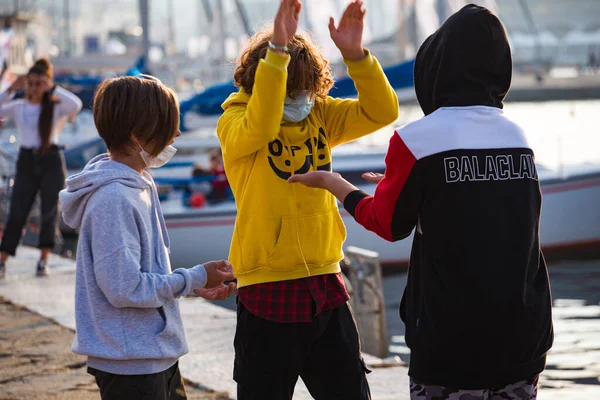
(126, 309)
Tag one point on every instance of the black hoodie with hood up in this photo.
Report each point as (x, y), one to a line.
(477, 305)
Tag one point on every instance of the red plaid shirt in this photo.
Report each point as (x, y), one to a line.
(297, 300)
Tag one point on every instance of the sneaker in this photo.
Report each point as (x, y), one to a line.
(42, 268)
(2, 270)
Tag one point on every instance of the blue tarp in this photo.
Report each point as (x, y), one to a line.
(85, 86)
(208, 102)
(399, 75)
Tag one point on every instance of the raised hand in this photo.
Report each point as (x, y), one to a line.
(47, 84)
(18, 85)
(372, 177)
(348, 34)
(286, 21)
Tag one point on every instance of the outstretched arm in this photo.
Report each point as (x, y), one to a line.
(393, 211)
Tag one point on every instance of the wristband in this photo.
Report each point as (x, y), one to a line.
(278, 48)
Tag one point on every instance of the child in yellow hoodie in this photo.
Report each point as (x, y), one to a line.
(293, 317)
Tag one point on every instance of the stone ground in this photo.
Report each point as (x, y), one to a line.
(36, 361)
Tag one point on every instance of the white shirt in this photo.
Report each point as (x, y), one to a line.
(26, 115)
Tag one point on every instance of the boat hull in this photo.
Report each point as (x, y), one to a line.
(570, 221)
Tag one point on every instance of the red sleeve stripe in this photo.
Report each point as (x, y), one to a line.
(376, 212)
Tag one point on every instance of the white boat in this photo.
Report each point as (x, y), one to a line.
(570, 221)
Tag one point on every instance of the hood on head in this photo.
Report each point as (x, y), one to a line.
(100, 171)
(466, 62)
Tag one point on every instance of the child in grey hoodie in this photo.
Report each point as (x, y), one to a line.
(127, 314)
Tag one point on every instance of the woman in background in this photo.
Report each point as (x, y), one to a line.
(40, 166)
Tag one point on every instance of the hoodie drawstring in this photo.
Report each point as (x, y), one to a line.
(295, 204)
(158, 216)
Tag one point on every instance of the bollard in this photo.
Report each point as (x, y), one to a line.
(366, 291)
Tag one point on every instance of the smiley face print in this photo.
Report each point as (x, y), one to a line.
(300, 159)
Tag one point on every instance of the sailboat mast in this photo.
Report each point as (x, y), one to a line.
(222, 32)
(145, 23)
(67, 33)
(402, 35)
(204, 5)
(171, 38)
(535, 32)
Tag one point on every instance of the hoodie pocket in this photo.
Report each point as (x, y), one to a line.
(171, 340)
(316, 239)
(140, 327)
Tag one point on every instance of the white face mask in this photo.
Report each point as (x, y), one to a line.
(296, 110)
(161, 159)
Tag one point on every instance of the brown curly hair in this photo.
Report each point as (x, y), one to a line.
(308, 71)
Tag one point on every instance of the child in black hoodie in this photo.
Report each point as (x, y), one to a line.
(477, 304)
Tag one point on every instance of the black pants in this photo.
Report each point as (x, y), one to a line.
(166, 385)
(35, 173)
(325, 353)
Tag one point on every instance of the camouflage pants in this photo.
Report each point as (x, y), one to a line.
(525, 390)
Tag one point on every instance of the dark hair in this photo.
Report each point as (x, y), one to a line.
(308, 71)
(138, 106)
(43, 67)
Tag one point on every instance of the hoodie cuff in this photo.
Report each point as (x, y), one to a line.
(277, 60)
(352, 199)
(362, 66)
(195, 278)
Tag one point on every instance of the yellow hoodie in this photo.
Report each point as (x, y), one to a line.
(288, 231)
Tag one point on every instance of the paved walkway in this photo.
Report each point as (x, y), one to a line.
(209, 328)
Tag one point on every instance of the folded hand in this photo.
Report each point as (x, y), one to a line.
(218, 272)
